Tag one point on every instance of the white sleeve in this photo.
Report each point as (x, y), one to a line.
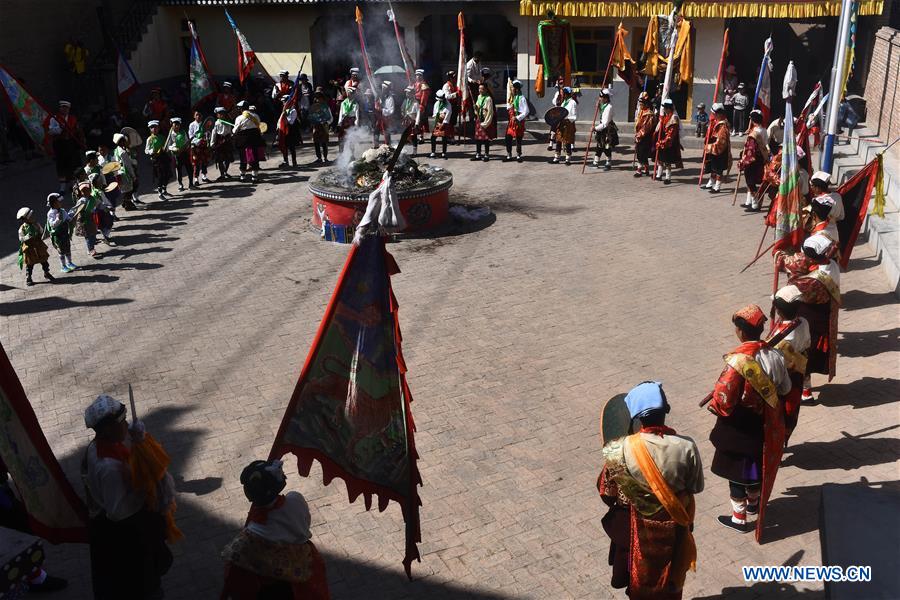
(573, 111)
(555, 97)
(523, 110)
(837, 212)
(118, 499)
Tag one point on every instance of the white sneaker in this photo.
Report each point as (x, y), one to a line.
(709, 184)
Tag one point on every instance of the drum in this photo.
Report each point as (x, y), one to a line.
(111, 187)
(263, 127)
(111, 167)
(134, 138)
(319, 114)
(615, 420)
(555, 115)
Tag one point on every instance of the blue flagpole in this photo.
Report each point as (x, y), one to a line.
(759, 80)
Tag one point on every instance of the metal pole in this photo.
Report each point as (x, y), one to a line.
(840, 59)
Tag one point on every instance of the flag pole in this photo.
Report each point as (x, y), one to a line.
(376, 95)
(403, 56)
(715, 99)
(667, 80)
(837, 71)
(587, 149)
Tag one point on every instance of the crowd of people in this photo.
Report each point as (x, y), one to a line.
(649, 478)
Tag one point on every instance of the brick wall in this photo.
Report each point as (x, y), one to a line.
(883, 86)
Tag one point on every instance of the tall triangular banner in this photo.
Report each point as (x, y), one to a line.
(33, 116)
(245, 55)
(55, 512)
(785, 218)
(461, 82)
(350, 409)
(202, 84)
(855, 194)
(763, 97)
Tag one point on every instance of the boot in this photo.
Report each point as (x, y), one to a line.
(709, 183)
(667, 178)
(659, 173)
(607, 165)
(715, 187)
(555, 159)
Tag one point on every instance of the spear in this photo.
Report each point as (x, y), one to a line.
(376, 96)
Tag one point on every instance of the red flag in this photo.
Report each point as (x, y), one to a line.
(246, 55)
(55, 512)
(351, 407)
(855, 194)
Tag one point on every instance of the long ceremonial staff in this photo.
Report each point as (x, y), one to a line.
(376, 96)
(737, 184)
(667, 81)
(715, 99)
(587, 149)
(403, 56)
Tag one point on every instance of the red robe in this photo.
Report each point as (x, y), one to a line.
(741, 397)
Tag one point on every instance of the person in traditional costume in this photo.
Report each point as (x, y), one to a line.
(59, 222)
(225, 98)
(423, 91)
(127, 530)
(818, 277)
(794, 346)
(557, 101)
(565, 133)
(818, 187)
(605, 132)
(730, 85)
(249, 142)
(371, 111)
(324, 116)
(775, 135)
(127, 173)
(103, 210)
(293, 138)
(160, 158)
(749, 432)
(410, 111)
(668, 146)
(718, 150)
(283, 86)
(648, 481)
(644, 126)
(156, 109)
(273, 556)
(85, 225)
(443, 124)
(199, 148)
(453, 95)
(348, 116)
(753, 160)
(388, 110)
(485, 123)
(179, 145)
(475, 74)
(66, 140)
(221, 144)
(352, 82)
(515, 128)
(32, 249)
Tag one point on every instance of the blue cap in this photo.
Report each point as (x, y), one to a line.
(645, 398)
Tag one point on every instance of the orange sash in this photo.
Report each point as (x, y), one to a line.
(685, 556)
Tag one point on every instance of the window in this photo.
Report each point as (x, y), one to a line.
(592, 48)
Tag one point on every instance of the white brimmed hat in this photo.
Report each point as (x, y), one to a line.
(153, 123)
(174, 120)
(65, 103)
(118, 138)
(821, 177)
(789, 293)
(23, 213)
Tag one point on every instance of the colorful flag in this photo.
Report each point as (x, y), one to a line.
(621, 58)
(461, 62)
(376, 93)
(855, 194)
(350, 409)
(32, 115)
(651, 49)
(126, 80)
(785, 218)
(763, 98)
(55, 512)
(202, 84)
(283, 125)
(246, 56)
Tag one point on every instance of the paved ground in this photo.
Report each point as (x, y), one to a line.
(514, 335)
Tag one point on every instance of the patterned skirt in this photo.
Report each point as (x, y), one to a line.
(199, 155)
(443, 130)
(485, 133)
(566, 132)
(515, 127)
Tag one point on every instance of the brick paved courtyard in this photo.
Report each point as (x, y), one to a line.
(514, 335)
